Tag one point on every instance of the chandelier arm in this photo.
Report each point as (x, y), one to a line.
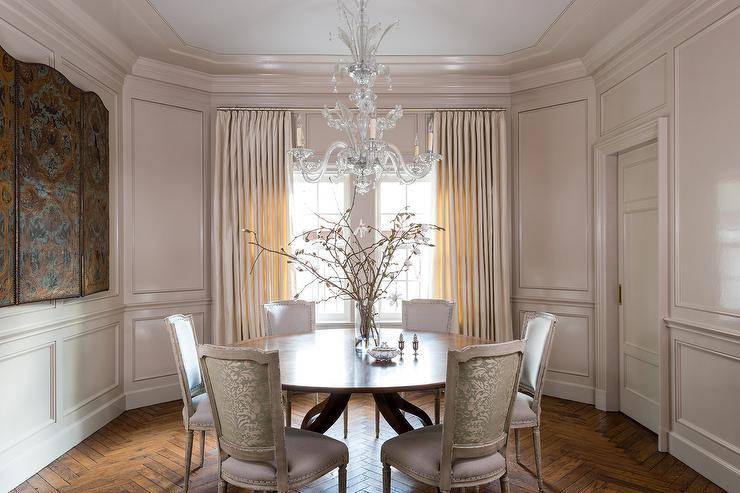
(399, 166)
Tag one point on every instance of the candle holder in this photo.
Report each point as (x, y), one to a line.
(415, 345)
(401, 343)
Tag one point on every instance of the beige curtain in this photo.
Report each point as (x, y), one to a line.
(472, 254)
(251, 190)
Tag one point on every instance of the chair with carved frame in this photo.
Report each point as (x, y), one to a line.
(256, 450)
(196, 412)
(469, 448)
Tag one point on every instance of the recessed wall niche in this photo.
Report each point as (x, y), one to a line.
(54, 226)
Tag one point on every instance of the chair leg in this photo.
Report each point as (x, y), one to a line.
(538, 456)
(386, 478)
(343, 479)
(202, 448)
(188, 456)
(377, 422)
(437, 393)
(504, 483)
(346, 420)
(288, 410)
(516, 443)
(221, 486)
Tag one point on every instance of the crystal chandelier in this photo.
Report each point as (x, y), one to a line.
(364, 154)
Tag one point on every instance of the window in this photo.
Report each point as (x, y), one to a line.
(311, 202)
(328, 198)
(419, 198)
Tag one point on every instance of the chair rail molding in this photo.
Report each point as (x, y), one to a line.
(605, 151)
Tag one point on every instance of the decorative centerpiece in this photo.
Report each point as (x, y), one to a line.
(384, 353)
(359, 264)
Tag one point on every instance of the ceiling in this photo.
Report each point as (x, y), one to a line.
(429, 27)
(495, 37)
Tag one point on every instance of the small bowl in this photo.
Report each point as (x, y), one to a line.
(383, 353)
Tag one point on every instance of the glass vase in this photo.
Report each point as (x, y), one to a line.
(365, 329)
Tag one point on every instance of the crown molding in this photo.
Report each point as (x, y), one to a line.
(308, 83)
(549, 75)
(80, 31)
(658, 40)
(634, 28)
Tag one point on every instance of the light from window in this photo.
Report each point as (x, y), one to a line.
(312, 202)
(419, 198)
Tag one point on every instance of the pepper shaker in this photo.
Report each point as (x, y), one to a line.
(401, 343)
(415, 344)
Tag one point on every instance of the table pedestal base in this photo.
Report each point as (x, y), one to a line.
(390, 404)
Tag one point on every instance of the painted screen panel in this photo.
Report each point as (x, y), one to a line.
(95, 229)
(7, 180)
(48, 170)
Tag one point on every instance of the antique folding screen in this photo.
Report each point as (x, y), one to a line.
(53, 186)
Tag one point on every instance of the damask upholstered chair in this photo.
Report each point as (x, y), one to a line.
(256, 450)
(431, 315)
(196, 412)
(537, 332)
(469, 448)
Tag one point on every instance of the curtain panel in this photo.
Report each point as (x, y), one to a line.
(251, 189)
(472, 263)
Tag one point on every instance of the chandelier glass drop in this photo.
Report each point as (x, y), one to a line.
(363, 154)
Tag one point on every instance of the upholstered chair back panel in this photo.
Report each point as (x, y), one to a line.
(184, 333)
(537, 333)
(485, 386)
(241, 401)
(428, 314)
(290, 317)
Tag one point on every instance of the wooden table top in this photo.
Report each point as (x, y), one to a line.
(326, 361)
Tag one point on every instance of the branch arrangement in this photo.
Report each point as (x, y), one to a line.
(359, 264)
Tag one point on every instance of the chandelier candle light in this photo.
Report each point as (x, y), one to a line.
(364, 155)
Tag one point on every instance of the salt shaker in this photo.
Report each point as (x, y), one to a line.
(401, 343)
(415, 344)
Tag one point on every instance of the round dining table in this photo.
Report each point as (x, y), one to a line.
(326, 361)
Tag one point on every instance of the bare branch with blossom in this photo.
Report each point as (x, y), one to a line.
(354, 264)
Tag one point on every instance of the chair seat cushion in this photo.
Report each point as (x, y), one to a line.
(523, 415)
(309, 456)
(202, 417)
(419, 452)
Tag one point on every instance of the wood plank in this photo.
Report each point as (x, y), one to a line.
(584, 450)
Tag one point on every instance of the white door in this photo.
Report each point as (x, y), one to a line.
(638, 275)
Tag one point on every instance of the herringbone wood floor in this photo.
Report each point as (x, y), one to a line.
(584, 450)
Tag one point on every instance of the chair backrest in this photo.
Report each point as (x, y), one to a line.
(537, 332)
(479, 397)
(244, 389)
(185, 347)
(289, 317)
(428, 314)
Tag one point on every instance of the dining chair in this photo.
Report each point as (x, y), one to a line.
(537, 332)
(256, 450)
(432, 315)
(469, 448)
(196, 411)
(289, 317)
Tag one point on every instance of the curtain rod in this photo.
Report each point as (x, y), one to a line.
(258, 108)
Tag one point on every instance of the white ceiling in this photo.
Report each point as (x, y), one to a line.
(292, 27)
(492, 37)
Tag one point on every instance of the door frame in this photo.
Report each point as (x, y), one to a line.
(606, 354)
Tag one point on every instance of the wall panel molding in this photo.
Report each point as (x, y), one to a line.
(112, 359)
(17, 433)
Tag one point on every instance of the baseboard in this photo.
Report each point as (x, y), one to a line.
(600, 399)
(30, 460)
(154, 395)
(720, 472)
(570, 391)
